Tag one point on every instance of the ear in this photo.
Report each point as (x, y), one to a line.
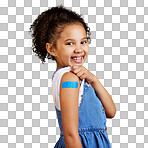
(50, 49)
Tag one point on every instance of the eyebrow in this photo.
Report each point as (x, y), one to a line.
(73, 39)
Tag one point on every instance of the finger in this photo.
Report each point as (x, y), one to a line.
(75, 66)
(80, 73)
(76, 69)
(83, 76)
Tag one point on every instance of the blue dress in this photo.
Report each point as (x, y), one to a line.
(92, 122)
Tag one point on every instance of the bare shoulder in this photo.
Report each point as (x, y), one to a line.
(69, 76)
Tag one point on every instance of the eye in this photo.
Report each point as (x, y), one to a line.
(83, 42)
(70, 43)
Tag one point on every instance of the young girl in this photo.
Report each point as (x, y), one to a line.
(81, 102)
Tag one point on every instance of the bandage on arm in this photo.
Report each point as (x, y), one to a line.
(70, 84)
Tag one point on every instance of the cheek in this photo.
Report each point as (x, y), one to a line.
(86, 48)
(66, 55)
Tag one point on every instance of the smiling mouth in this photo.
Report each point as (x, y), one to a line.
(77, 59)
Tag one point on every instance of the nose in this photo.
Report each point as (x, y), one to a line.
(78, 49)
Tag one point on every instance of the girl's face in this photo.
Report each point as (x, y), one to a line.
(72, 46)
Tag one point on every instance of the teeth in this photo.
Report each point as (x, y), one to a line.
(77, 58)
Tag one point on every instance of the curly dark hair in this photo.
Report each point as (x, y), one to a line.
(47, 28)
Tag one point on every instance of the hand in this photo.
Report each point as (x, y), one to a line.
(83, 73)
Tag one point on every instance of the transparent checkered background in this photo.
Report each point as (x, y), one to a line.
(118, 56)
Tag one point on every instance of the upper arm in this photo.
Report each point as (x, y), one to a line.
(69, 105)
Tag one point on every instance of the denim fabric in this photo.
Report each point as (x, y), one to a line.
(92, 122)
